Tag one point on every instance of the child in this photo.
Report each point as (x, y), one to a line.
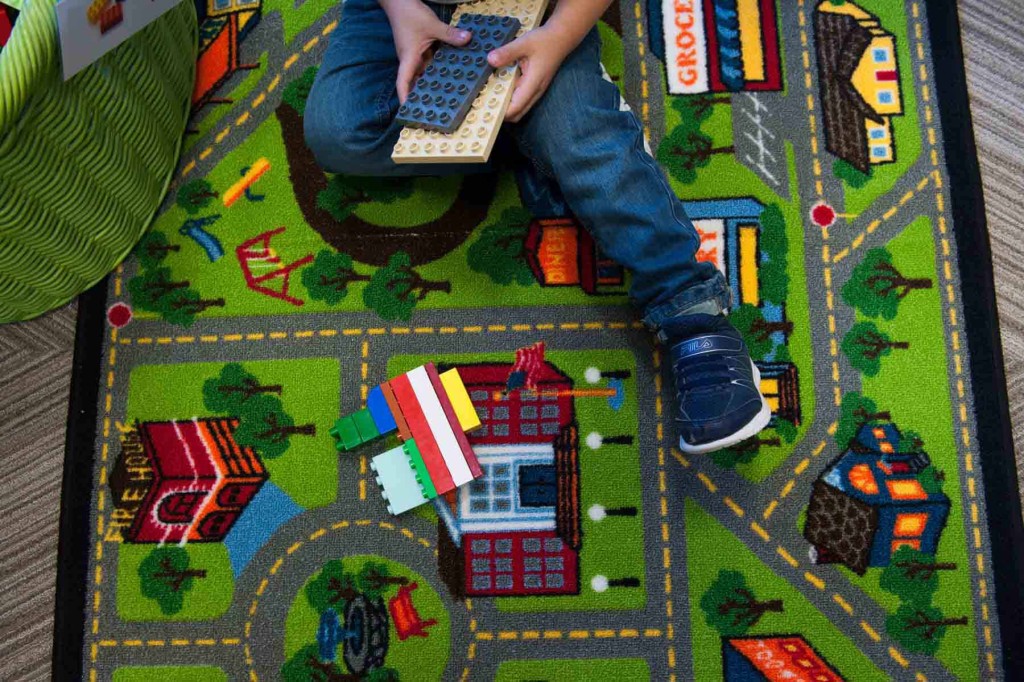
(566, 120)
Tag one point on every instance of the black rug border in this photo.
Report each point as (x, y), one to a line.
(981, 321)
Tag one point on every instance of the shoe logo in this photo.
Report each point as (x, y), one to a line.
(704, 344)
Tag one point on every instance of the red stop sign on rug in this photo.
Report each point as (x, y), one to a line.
(823, 215)
(119, 315)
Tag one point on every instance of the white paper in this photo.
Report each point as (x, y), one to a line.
(82, 42)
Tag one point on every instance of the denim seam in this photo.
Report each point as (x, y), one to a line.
(381, 102)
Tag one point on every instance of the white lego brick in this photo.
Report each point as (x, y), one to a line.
(440, 426)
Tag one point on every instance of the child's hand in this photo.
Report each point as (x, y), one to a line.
(540, 53)
(416, 29)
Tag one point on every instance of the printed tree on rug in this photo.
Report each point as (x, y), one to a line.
(746, 451)
(167, 576)
(263, 423)
(731, 607)
(749, 320)
(688, 148)
(855, 411)
(395, 289)
(913, 576)
(155, 290)
(500, 251)
(877, 288)
(920, 627)
(329, 277)
(865, 345)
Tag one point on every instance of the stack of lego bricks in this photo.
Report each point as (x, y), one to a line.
(431, 414)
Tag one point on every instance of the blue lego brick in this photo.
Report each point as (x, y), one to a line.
(397, 481)
(379, 410)
(442, 97)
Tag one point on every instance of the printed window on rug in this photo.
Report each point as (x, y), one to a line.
(886, 97)
(881, 55)
(493, 492)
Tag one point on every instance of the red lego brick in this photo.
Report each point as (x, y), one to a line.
(421, 433)
(449, 411)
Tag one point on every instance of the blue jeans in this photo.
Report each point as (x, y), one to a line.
(582, 151)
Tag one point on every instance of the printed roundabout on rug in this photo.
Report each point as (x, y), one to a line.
(211, 531)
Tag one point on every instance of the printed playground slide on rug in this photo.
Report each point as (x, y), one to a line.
(212, 530)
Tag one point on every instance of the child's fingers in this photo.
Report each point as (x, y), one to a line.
(527, 93)
(511, 53)
(407, 72)
(447, 33)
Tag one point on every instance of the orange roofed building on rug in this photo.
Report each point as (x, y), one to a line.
(182, 481)
(788, 658)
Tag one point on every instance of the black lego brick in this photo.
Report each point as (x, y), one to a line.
(443, 95)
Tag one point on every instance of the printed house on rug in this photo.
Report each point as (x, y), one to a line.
(560, 253)
(717, 45)
(516, 531)
(768, 659)
(871, 502)
(223, 24)
(860, 85)
(182, 481)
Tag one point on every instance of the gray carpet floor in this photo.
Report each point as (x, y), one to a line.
(35, 357)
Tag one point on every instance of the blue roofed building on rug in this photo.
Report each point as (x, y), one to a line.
(874, 500)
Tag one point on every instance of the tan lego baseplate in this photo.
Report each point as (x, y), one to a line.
(474, 140)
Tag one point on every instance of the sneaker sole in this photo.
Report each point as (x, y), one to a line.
(751, 429)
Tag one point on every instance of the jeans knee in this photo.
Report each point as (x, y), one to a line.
(341, 143)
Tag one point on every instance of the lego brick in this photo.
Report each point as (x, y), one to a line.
(453, 421)
(346, 433)
(421, 433)
(397, 480)
(380, 411)
(439, 426)
(474, 140)
(422, 475)
(396, 411)
(364, 423)
(459, 397)
(442, 96)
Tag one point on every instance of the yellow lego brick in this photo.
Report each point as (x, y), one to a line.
(469, 420)
(474, 140)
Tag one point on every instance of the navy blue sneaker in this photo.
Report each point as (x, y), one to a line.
(720, 401)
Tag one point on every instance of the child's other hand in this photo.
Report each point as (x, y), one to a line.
(416, 28)
(540, 53)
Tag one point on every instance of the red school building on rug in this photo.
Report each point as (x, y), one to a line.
(516, 531)
(182, 481)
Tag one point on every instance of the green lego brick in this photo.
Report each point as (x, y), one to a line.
(422, 474)
(346, 433)
(364, 423)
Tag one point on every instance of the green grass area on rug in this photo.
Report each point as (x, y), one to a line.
(919, 401)
(308, 470)
(449, 282)
(169, 673)
(416, 658)
(609, 477)
(710, 549)
(632, 669)
(210, 594)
